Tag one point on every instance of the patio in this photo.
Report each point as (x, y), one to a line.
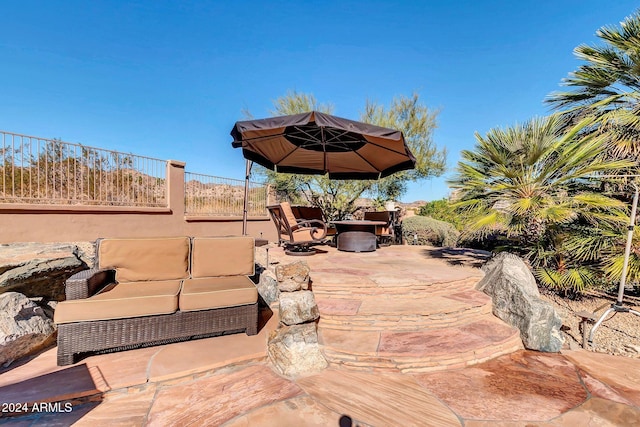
(409, 341)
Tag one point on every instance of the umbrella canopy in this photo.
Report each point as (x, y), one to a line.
(315, 143)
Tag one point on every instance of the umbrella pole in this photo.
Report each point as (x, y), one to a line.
(245, 206)
(618, 306)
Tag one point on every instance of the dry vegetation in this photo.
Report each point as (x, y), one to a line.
(619, 334)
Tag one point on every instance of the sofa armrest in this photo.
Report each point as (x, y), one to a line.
(85, 283)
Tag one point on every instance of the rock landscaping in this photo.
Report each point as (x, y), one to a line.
(618, 335)
(516, 300)
(293, 348)
(40, 269)
(25, 328)
(32, 277)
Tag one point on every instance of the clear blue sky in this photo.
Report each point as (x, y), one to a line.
(168, 79)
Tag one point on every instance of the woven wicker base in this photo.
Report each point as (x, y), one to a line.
(82, 338)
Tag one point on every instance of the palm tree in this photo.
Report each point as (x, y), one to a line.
(607, 85)
(530, 183)
(604, 246)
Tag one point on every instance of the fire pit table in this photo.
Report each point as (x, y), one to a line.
(356, 236)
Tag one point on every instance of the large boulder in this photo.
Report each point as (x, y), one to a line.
(40, 269)
(294, 350)
(268, 287)
(24, 327)
(298, 307)
(293, 277)
(516, 300)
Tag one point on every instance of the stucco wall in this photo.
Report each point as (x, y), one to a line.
(38, 223)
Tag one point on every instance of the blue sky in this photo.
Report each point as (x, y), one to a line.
(168, 79)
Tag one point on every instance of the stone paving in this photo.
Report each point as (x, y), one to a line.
(402, 309)
(410, 343)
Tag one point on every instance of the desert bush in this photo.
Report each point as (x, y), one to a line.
(443, 210)
(424, 230)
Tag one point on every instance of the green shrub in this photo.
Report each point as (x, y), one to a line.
(422, 230)
(440, 210)
(443, 210)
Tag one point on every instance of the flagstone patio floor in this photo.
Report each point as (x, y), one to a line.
(409, 343)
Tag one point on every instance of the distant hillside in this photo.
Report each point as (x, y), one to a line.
(412, 205)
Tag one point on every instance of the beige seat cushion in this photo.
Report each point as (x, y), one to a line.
(302, 235)
(216, 292)
(222, 256)
(146, 259)
(123, 300)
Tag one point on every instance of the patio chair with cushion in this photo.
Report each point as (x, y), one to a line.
(296, 234)
(314, 212)
(384, 233)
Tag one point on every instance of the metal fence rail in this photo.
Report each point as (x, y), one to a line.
(215, 196)
(49, 171)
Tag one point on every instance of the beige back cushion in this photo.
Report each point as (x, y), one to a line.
(146, 259)
(285, 209)
(222, 256)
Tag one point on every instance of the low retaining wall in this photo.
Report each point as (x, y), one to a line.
(44, 223)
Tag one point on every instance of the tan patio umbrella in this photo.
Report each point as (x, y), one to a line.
(315, 143)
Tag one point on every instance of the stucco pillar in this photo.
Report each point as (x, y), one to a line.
(175, 186)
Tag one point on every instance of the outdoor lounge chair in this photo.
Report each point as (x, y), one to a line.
(314, 212)
(384, 233)
(296, 234)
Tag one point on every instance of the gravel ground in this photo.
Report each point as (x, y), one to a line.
(619, 334)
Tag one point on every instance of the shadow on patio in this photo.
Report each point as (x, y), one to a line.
(459, 256)
(55, 392)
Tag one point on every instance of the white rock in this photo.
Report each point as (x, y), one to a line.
(293, 277)
(298, 307)
(294, 350)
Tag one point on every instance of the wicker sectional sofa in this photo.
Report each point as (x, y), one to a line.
(160, 290)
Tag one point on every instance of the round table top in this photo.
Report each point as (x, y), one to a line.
(358, 222)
